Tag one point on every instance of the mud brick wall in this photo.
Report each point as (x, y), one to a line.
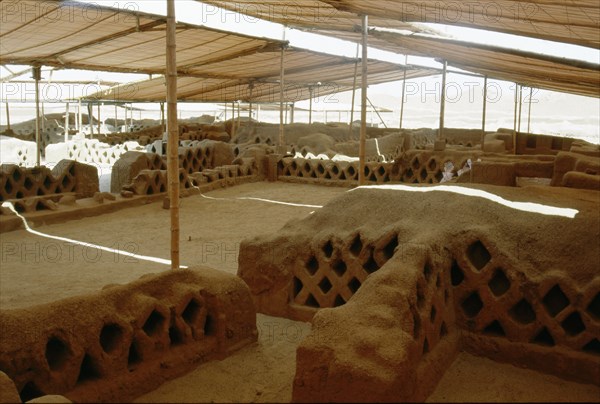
(126, 340)
(529, 143)
(397, 291)
(89, 151)
(576, 170)
(18, 184)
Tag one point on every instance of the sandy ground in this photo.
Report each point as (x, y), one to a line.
(211, 231)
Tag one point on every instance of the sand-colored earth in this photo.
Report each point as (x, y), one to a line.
(36, 270)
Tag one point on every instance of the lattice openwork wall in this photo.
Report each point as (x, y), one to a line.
(494, 300)
(93, 151)
(136, 335)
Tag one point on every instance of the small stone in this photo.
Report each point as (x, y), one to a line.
(68, 200)
(8, 391)
(98, 197)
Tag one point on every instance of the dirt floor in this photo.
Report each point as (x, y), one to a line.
(211, 230)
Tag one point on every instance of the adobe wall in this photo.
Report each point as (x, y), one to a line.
(128, 339)
(400, 281)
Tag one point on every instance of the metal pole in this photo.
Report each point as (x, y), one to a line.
(443, 102)
(281, 88)
(529, 114)
(67, 124)
(172, 125)
(485, 81)
(363, 112)
(37, 75)
(354, 90)
(403, 91)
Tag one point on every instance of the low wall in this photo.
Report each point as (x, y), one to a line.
(126, 340)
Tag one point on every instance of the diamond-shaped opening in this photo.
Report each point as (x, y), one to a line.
(16, 175)
(408, 174)
(594, 307)
(339, 267)
(312, 302)
(339, 301)
(328, 249)
(298, 285)
(494, 329)
(356, 245)
(354, 285)
(153, 323)
(457, 275)
(522, 312)
(499, 284)
(89, 370)
(427, 271)
(472, 305)
(555, 301)
(111, 337)
(370, 265)
(531, 141)
(47, 182)
(443, 329)
(432, 164)
(416, 325)
(381, 170)
(351, 172)
(312, 265)
(58, 353)
(420, 296)
(28, 184)
(342, 176)
(478, 255)
(325, 285)
(425, 347)
(30, 391)
(390, 247)
(573, 325)
(592, 347)
(335, 170)
(8, 187)
(432, 314)
(543, 338)
(423, 174)
(191, 312)
(416, 163)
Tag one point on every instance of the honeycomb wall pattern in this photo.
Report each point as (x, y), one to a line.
(19, 184)
(126, 340)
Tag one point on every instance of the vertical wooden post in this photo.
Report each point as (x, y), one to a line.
(485, 81)
(281, 100)
(354, 91)
(292, 107)
(520, 106)
(515, 118)
(443, 102)
(79, 117)
(67, 123)
(310, 101)
(172, 125)
(363, 106)
(37, 75)
(233, 120)
(116, 119)
(239, 113)
(251, 90)
(163, 127)
(99, 120)
(7, 116)
(90, 109)
(529, 114)
(403, 91)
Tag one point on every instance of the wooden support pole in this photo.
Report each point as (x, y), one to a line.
(7, 116)
(443, 102)
(99, 120)
(281, 100)
(79, 117)
(233, 120)
(90, 109)
(292, 107)
(529, 113)
(239, 113)
(363, 106)
(354, 91)
(251, 90)
(520, 106)
(515, 118)
(403, 91)
(67, 123)
(163, 127)
(37, 75)
(310, 101)
(485, 82)
(172, 125)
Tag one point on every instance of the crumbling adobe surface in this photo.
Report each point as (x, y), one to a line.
(401, 281)
(126, 340)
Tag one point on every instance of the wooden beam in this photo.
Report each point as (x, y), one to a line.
(37, 75)
(363, 112)
(172, 125)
